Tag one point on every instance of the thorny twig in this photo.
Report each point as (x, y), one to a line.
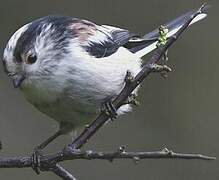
(121, 153)
(72, 151)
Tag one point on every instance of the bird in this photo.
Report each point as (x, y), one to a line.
(69, 68)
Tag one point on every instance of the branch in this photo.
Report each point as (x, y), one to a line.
(72, 151)
(136, 156)
(48, 162)
(61, 172)
(15, 162)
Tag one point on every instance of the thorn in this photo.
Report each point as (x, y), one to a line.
(101, 154)
(136, 159)
(87, 126)
(165, 150)
(88, 153)
(121, 149)
(170, 152)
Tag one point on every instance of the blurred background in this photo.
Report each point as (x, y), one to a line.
(180, 112)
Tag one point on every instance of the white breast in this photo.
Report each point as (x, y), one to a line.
(82, 83)
(97, 79)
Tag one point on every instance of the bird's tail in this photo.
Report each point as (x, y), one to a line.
(149, 41)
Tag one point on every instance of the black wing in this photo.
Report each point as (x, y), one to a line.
(107, 40)
(111, 38)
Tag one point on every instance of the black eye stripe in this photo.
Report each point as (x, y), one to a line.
(18, 58)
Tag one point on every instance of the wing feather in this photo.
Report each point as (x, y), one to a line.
(106, 40)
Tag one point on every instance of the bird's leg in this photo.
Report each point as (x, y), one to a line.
(37, 150)
(163, 69)
(49, 140)
(109, 109)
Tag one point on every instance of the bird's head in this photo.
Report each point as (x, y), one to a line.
(35, 50)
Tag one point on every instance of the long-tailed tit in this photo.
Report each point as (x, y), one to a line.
(68, 67)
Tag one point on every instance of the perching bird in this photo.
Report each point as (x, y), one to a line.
(68, 67)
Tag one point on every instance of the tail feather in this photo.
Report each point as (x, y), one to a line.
(148, 43)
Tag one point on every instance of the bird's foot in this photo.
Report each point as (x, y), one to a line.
(110, 110)
(129, 77)
(165, 56)
(163, 69)
(36, 160)
(132, 99)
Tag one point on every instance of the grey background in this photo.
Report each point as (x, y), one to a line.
(180, 113)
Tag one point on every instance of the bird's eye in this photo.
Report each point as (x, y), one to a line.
(31, 59)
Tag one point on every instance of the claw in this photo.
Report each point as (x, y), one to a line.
(160, 68)
(165, 56)
(163, 69)
(132, 99)
(110, 110)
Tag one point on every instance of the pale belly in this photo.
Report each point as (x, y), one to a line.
(76, 92)
(62, 108)
(69, 112)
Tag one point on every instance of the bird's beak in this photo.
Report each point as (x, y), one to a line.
(17, 80)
